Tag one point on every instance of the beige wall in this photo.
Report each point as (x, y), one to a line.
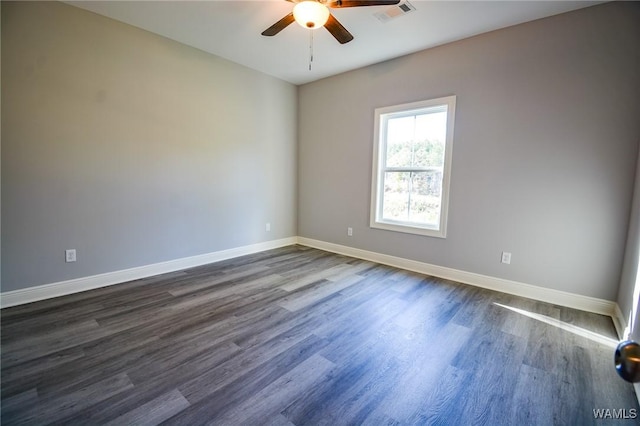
(544, 154)
(132, 149)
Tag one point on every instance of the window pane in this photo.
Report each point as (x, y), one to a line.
(395, 204)
(425, 198)
(416, 140)
(412, 197)
(400, 141)
(430, 137)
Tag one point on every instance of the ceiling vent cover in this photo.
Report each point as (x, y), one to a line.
(394, 12)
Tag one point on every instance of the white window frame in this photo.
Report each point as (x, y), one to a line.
(382, 115)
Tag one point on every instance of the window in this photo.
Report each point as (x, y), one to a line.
(411, 167)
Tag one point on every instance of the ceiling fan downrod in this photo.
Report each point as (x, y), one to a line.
(310, 49)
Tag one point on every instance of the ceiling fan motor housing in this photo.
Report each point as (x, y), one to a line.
(310, 14)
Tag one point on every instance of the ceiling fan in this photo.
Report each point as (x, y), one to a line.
(314, 14)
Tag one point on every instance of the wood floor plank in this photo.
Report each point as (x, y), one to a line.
(276, 420)
(287, 323)
(273, 398)
(225, 373)
(335, 273)
(313, 261)
(492, 383)
(48, 410)
(423, 361)
(534, 386)
(191, 285)
(352, 332)
(13, 405)
(153, 388)
(297, 336)
(215, 398)
(577, 392)
(322, 290)
(153, 412)
(247, 286)
(349, 393)
(443, 398)
(18, 372)
(39, 345)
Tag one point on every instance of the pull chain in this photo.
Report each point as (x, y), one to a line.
(310, 48)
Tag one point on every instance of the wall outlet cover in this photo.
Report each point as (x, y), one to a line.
(70, 255)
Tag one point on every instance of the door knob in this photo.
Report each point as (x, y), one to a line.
(627, 360)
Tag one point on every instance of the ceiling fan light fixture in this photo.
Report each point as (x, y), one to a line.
(310, 14)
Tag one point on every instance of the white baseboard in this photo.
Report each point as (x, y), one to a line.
(620, 322)
(62, 288)
(585, 303)
(562, 298)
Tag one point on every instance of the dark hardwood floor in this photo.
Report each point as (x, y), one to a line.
(299, 336)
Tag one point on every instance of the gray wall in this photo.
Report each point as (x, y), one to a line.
(132, 149)
(0, 146)
(544, 155)
(628, 281)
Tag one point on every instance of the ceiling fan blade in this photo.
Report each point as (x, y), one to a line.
(337, 30)
(279, 26)
(359, 3)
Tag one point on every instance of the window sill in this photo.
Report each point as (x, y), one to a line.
(408, 229)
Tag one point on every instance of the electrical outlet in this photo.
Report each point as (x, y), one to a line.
(70, 255)
(506, 257)
(267, 227)
(350, 231)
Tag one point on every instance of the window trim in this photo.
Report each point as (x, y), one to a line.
(378, 168)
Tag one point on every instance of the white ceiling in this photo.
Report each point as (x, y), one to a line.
(231, 29)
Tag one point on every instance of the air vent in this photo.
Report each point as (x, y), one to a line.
(394, 12)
